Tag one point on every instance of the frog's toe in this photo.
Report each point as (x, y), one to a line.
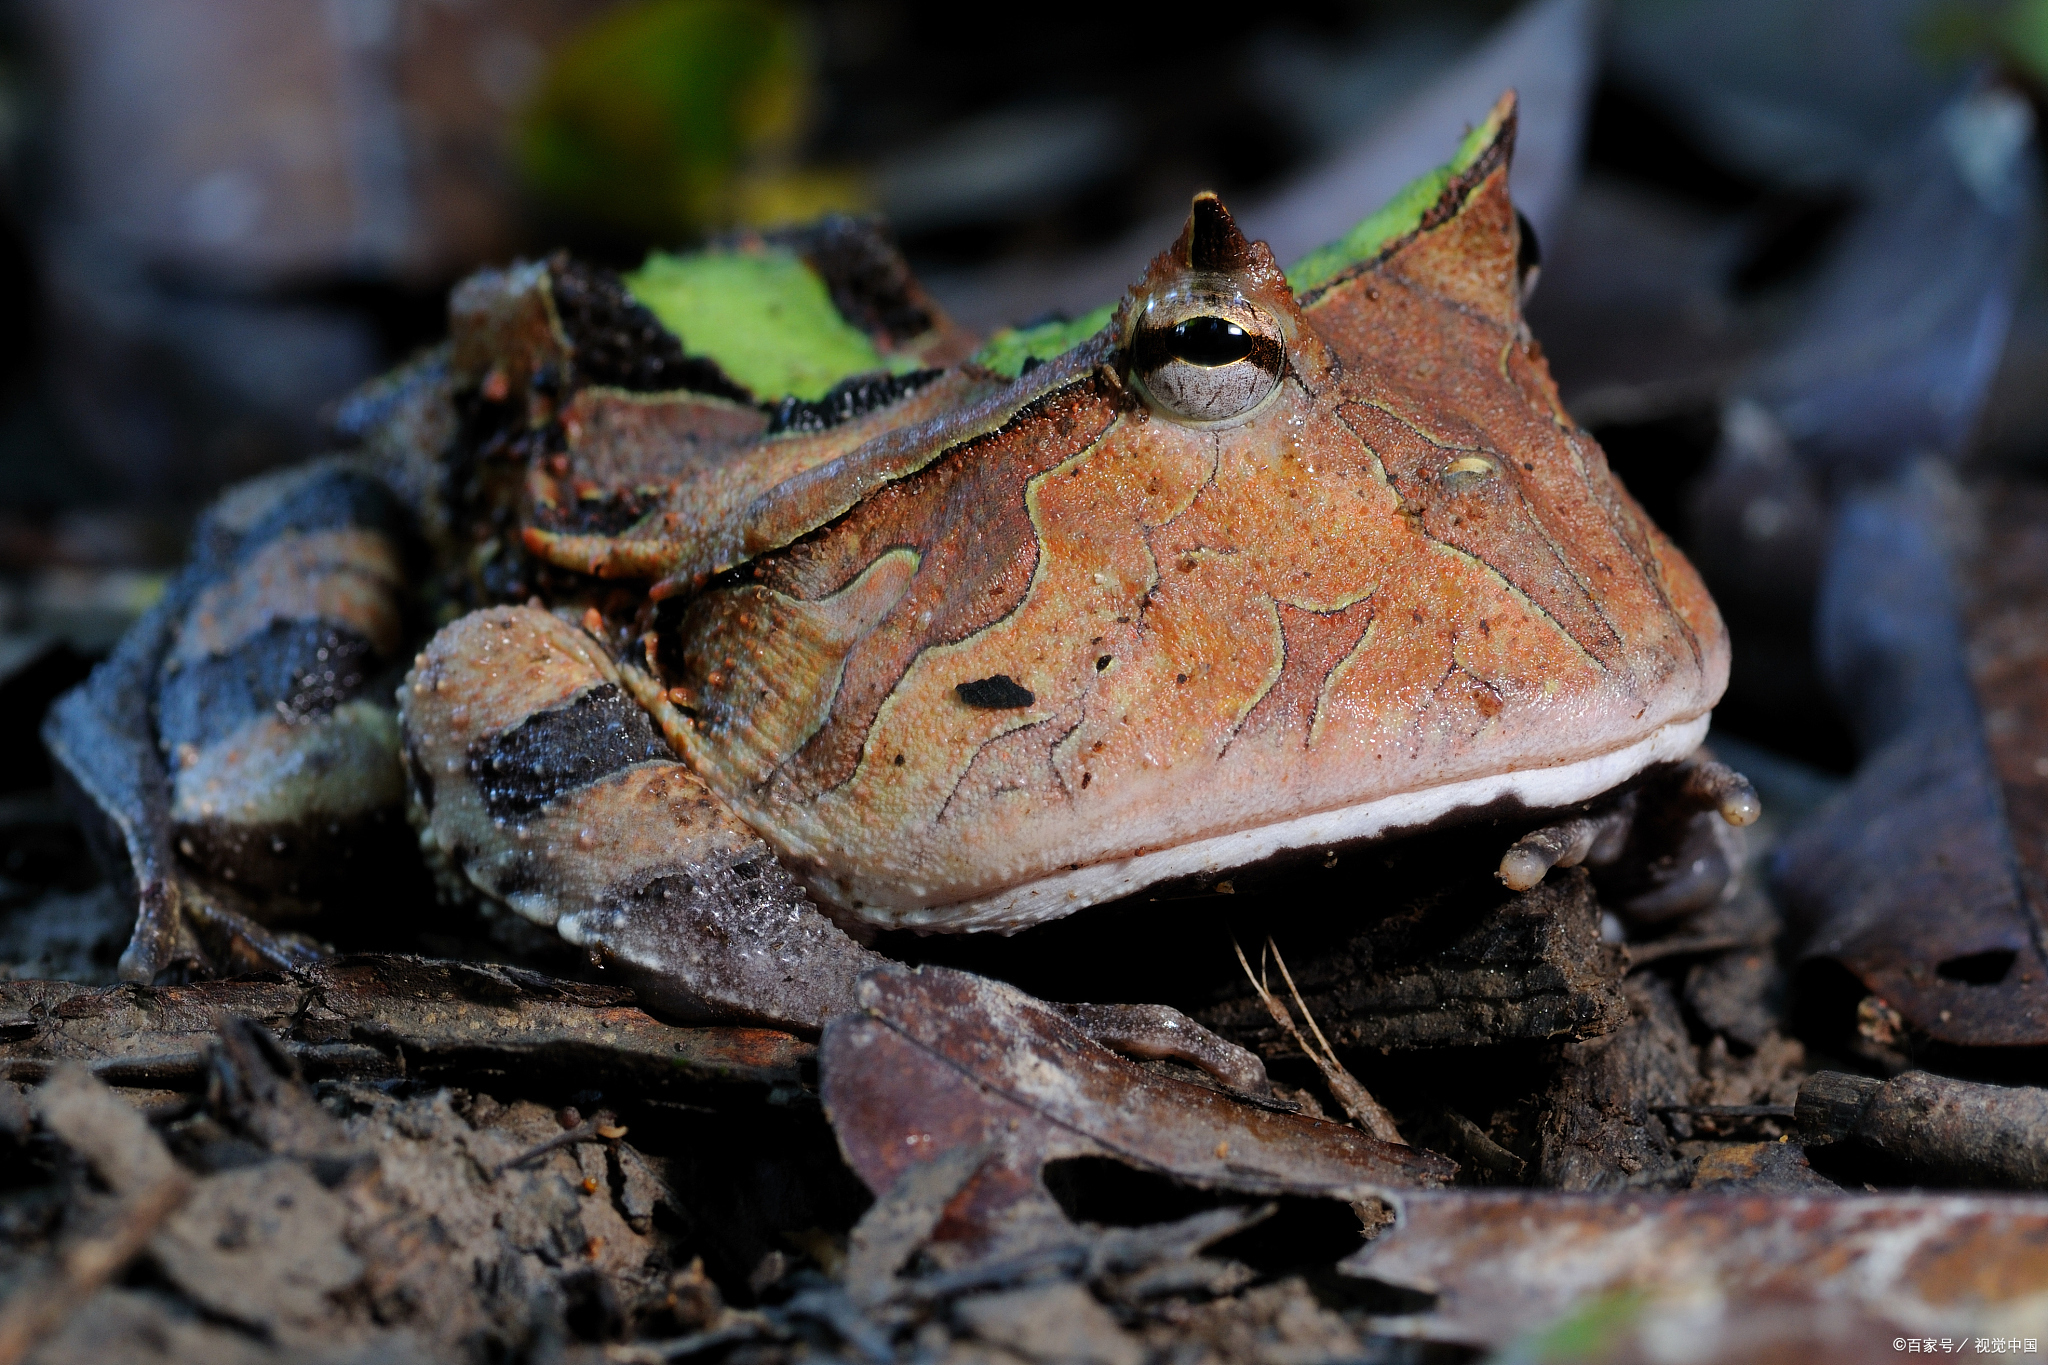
(538, 783)
(1711, 785)
(162, 945)
(1667, 849)
(1587, 838)
(235, 943)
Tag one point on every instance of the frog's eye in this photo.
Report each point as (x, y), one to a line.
(1205, 356)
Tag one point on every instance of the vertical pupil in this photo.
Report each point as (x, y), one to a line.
(1209, 341)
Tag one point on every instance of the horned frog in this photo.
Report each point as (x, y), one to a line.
(771, 647)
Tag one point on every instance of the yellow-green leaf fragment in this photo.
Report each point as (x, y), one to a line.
(763, 315)
(1008, 350)
(1593, 1329)
(1401, 215)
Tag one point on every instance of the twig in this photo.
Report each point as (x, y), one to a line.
(1368, 1113)
(603, 1126)
(737, 1327)
(1727, 1111)
(1480, 1146)
(1641, 954)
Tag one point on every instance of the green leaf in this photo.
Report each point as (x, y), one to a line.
(1401, 215)
(763, 315)
(1008, 349)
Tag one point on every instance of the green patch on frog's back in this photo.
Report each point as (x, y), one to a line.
(764, 315)
(1010, 350)
(1400, 216)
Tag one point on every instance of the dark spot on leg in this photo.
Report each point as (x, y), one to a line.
(301, 669)
(556, 751)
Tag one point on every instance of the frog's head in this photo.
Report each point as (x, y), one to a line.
(1264, 561)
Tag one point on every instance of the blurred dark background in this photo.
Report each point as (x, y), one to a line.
(218, 216)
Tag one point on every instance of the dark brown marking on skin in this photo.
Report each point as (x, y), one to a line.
(965, 515)
(847, 400)
(1038, 738)
(615, 340)
(1315, 644)
(1543, 578)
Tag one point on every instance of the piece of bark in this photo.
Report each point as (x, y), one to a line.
(1053, 1322)
(903, 1219)
(375, 1017)
(1598, 1131)
(450, 1253)
(1959, 1131)
(256, 1087)
(263, 1247)
(1530, 966)
(1283, 1321)
(1762, 1166)
(148, 1187)
(150, 1325)
(1817, 1278)
(1769, 1077)
(1738, 994)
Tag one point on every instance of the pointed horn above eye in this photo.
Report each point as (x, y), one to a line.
(1211, 240)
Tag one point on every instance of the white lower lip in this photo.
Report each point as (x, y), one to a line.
(1062, 893)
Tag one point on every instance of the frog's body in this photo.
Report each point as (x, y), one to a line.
(1257, 565)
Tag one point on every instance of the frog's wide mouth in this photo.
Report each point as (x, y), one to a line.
(1061, 893)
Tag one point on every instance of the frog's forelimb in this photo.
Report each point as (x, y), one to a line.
(1676, 832)
(105, 753)
(1595, 839)
(539, 784)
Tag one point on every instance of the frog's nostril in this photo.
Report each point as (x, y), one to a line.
(1467, 471)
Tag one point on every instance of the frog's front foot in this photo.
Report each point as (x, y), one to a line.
(539, 785)
(1670, 843)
